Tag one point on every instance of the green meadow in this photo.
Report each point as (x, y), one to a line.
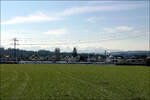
(74, 82)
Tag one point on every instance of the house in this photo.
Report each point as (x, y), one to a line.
(35, 58)
(135, 61)
(114, 59)
(100, 59)
(91, 59)
(71, 59)
(50, 58)
(3, 59)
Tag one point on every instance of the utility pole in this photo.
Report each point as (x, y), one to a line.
(15, 43)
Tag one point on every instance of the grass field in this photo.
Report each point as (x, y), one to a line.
(74, 82)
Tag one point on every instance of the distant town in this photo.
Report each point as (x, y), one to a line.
(11, 56)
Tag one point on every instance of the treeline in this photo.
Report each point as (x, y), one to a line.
(43, 53)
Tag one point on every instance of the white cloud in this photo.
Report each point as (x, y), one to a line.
(57, 31)
(38, 17)
(124, 28)
(85, 9)
(93, 19)
(109, 30)
(118, 29)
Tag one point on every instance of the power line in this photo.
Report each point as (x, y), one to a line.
(83, 42)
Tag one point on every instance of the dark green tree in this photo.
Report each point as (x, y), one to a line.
(57, 53)
(74, 54)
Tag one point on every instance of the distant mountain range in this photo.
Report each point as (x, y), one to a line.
(114, 52)
(131, 53)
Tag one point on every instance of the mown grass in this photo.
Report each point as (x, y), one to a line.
(74, 82)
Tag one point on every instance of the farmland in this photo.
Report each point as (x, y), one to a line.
(74, 82)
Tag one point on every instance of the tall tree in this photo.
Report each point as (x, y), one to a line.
(74, 54)
(57, 53)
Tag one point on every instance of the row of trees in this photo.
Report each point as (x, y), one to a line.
(23, 54)
(57, 53)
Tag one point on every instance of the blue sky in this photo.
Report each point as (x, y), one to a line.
(91, 26)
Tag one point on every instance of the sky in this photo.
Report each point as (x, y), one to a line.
(90, 26)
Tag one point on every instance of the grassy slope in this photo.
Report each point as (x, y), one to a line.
(74, 82)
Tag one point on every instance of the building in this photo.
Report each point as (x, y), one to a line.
(35, 58)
